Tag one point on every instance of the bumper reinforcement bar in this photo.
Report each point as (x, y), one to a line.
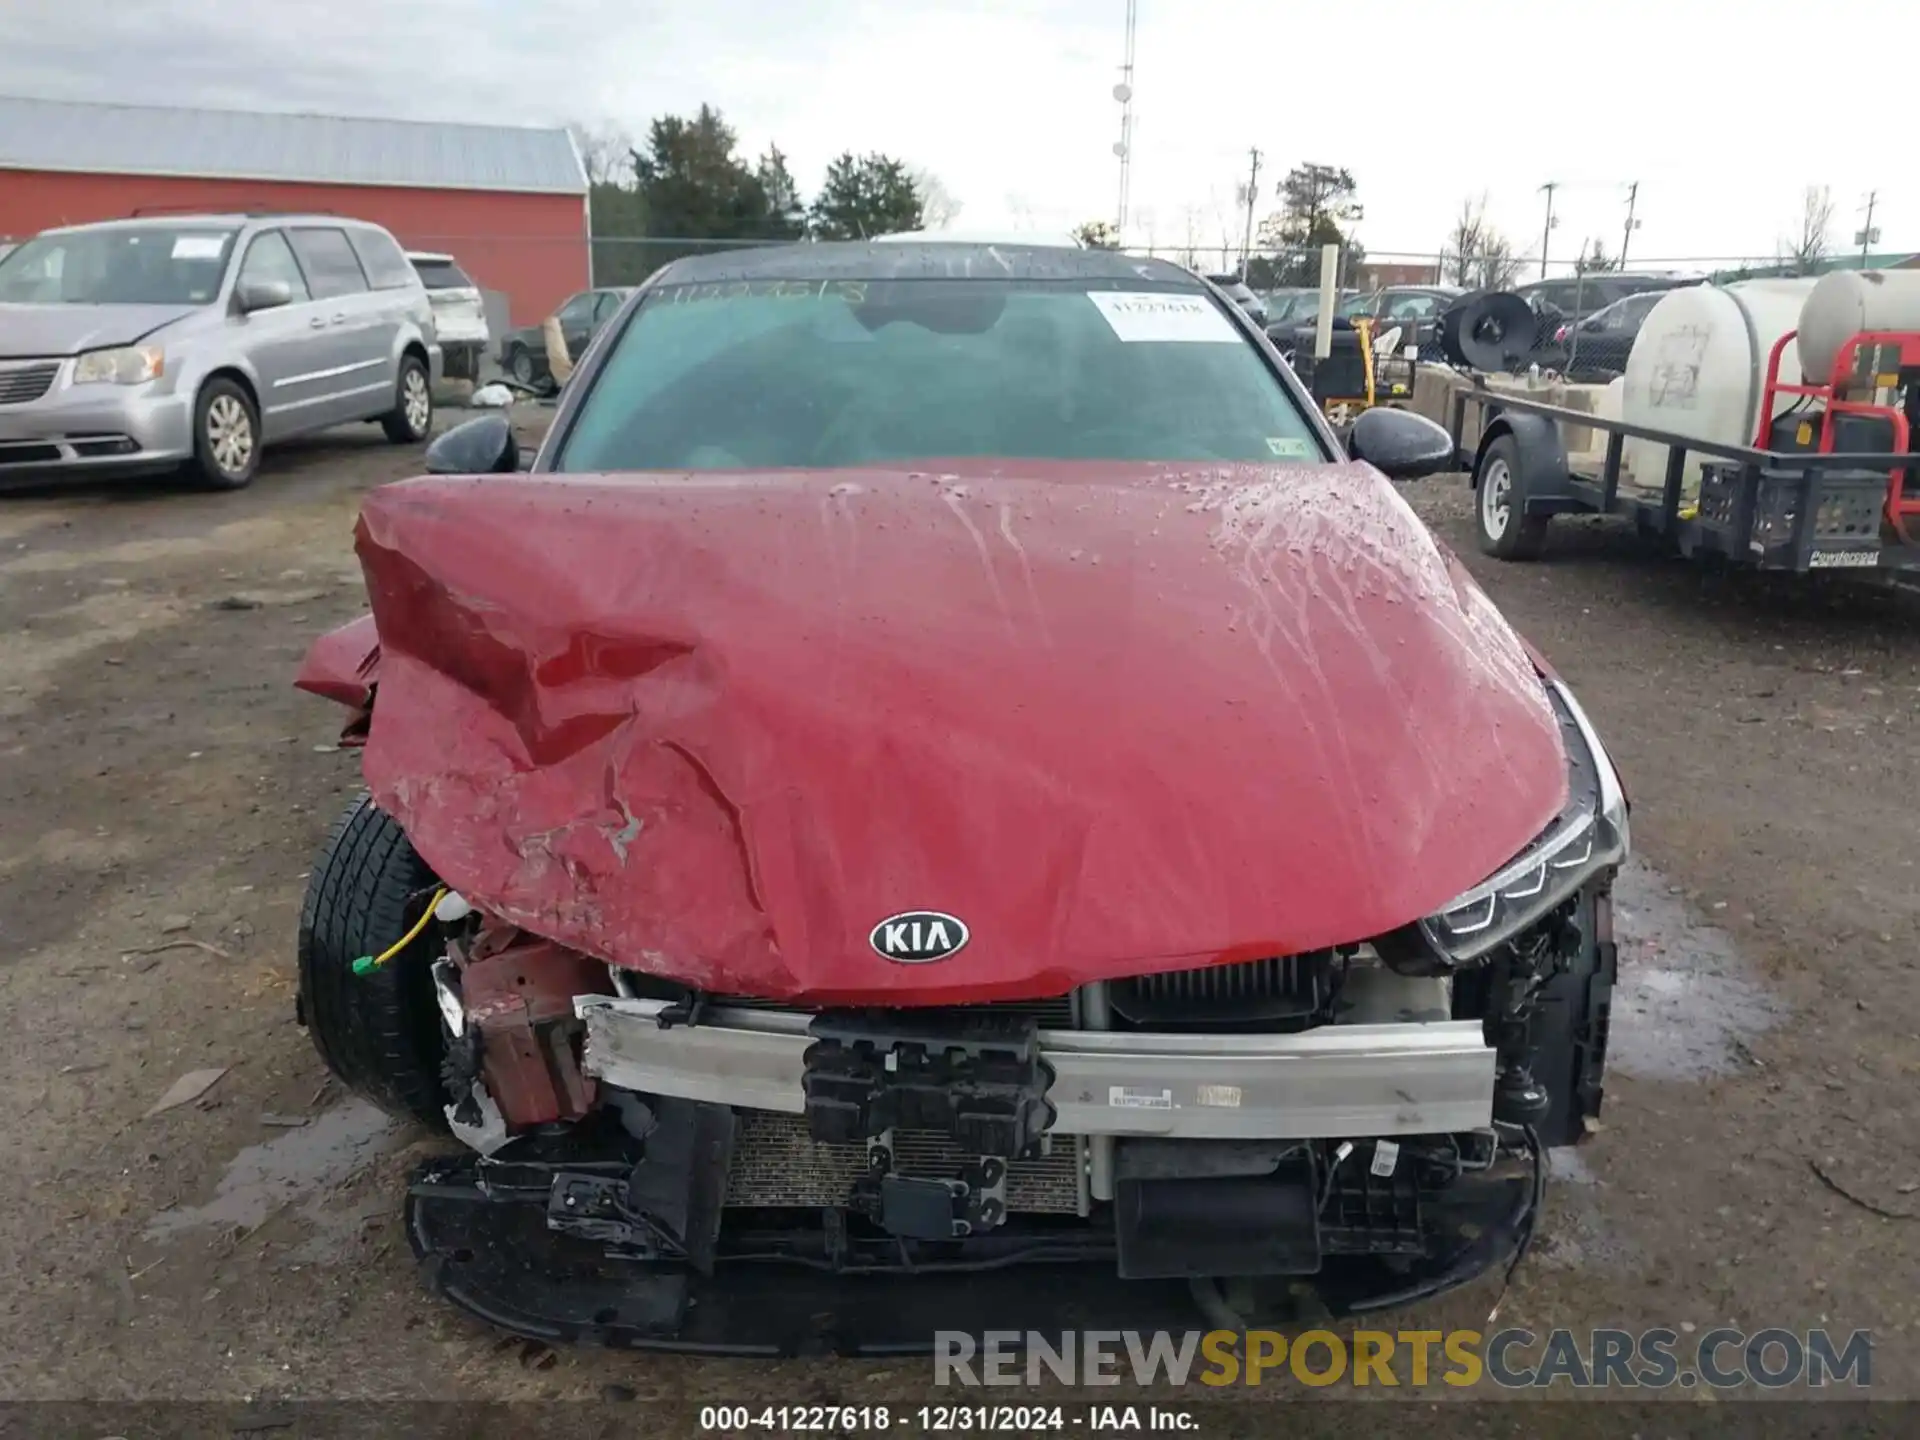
(1333, 1082)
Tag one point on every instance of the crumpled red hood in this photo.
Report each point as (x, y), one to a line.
(1117, 718)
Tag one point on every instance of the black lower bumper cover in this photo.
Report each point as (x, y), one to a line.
(762, 1283)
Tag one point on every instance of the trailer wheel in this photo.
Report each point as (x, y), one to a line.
(1504, 528)
(380, 1033)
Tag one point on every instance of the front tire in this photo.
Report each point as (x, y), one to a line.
(1501, 524)
(520, 366)
(226, 436)
(411, 419)
(381, 1032)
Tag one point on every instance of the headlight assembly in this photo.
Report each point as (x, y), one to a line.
(130, 365)
(1590, 835)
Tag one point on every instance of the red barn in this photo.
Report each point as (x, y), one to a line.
(509, 204)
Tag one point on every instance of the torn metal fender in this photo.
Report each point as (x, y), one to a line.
(1117, 718)
(343, 664)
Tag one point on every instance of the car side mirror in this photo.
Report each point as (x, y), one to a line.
(1400, 444)
(483, 446)
(264, 295)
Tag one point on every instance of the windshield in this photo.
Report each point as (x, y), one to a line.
(824, 375)
(119, 265)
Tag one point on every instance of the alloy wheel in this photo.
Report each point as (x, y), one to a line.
(415, 400)
(229, 434)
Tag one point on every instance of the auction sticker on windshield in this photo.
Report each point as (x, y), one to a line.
(198, 247)
(1159, 316)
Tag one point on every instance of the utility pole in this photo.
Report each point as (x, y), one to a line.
(1253, 191)
(1626, 237)
(1868, 236)
(1547, 234)
(1123, 147)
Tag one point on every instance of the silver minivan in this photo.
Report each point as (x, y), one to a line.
(194, 341)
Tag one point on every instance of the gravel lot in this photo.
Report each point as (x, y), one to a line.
(162, 785)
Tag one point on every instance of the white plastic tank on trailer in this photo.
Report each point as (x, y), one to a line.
(1698, 367)
(1848, 301)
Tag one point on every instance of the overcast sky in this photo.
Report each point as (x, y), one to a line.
(1724, 113)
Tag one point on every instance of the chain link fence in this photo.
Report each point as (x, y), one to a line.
(1588, 306)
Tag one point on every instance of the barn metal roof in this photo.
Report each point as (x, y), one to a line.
(314, 149)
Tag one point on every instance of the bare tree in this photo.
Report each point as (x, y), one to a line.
(1815, 242)
(1594, 259)
(938, 208)
(1190, 224)
(1226, 219)
(606, 150)
(1477, 255)
(1460, 253)
(1097, 235)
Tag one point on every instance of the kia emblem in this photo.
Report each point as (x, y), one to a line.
(919, 937)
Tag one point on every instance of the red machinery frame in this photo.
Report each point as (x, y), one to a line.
(1907, 342)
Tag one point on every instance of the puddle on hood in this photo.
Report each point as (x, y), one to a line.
(1685, 1000)
(298, 1167)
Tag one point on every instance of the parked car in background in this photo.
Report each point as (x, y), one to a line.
(1242, 295)
(196, 340)
(523, 353)
(459, 312)
(1299, 307)
(1299, 310)
(1414, 309)
(1278, 302)
(1573, 298)
(1597, 347)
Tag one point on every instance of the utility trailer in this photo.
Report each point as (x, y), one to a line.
(1791, 501)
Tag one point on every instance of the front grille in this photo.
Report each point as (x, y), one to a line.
(1053, 1014)
(1285, 987)
(23, 383)
(777, 1163)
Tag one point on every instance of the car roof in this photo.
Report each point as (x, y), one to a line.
(434, 255)
(1058, 241)
(1638, 277)
(920, 260)
(234, 218)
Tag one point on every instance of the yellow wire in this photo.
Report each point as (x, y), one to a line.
(408, 938)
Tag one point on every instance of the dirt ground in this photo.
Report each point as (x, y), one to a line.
(162, 785)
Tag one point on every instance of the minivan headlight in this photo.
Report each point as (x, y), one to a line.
(1588, 836)
(128, 365)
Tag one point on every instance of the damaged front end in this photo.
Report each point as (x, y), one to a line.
(1268, 967)
(1341, 1131)
(755, 1178)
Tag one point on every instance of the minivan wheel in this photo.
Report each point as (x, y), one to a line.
(226, 436)
(411, 418)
